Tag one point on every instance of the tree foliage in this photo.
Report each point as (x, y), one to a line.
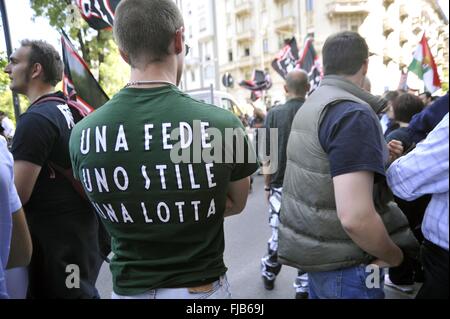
(6, 101)
(96, 47)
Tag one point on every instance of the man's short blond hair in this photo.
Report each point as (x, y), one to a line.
(144, 29)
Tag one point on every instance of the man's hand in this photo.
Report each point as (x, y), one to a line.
(383, 264)
(395, 150)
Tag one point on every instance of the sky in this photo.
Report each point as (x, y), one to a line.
(21, 25)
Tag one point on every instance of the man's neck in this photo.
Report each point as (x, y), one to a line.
(356, 79)
(154, 72)
(35, 92)
(295, 97)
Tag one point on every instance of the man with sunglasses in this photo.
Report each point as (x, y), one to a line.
(165, 216)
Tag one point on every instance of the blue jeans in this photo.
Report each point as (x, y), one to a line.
(347, 283)
(220, 290)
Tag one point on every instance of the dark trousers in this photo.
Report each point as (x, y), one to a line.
(435, 264)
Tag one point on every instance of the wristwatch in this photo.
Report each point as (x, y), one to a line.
(267, 189)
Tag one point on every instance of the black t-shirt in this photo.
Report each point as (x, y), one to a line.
(351, 138)
(281, 117)
(42, 135)
(63, 226)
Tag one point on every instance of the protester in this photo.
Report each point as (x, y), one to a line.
(63, 226)
(7, 124)
(15, 241)
(426, 98)
(423, 171)
(166, 221)
(280, 118)
(424, 122)
(410, 271)
(348, 226)
(388, 123)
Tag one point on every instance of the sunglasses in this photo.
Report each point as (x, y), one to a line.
(187, 49)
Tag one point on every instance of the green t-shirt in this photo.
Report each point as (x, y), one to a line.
(165, 217)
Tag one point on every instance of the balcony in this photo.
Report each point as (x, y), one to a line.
(285, 24)
(347, 7)
(243, 7)
(245, 62)
(388, 27)
(403, 12)
(403, 38)
(387, 3)
(245, 36)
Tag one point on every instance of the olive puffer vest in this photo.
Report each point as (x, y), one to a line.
(311, 237)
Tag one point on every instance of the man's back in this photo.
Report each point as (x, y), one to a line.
(166, 219)
(281, 118)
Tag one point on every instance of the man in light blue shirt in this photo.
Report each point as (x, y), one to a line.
(426, 171)
(15, 241)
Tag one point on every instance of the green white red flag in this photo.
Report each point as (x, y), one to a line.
(424, 67)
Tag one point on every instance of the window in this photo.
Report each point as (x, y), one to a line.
(266, 45)
(193, 76)
(202, 24)
(309, 5)
(230, 55)
(209, 72)
(226, 104)
(286, 9)
(247, 51)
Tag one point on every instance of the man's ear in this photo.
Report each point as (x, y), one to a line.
(365, 67)
(124, 56)
(36, 70)
(179, 41)
(285, 89)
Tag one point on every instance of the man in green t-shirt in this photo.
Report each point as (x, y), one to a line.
(161, 169)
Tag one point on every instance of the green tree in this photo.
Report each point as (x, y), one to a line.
(97, 47)
(6, 102)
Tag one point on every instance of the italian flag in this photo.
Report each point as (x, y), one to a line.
(424, 67)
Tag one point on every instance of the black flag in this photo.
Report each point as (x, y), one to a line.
(78, 82)
(287, 58)
(99, 14)
(309, 61)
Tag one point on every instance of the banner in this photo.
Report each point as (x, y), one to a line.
(260, 82)
(424, 67)
(99, 14)
(309, 61)
(287, 58)
(78, 82)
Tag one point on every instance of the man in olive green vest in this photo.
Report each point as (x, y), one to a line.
(338, 221)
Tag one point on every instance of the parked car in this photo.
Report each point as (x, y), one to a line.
(221, 99)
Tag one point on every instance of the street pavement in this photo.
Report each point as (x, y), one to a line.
(246, 238)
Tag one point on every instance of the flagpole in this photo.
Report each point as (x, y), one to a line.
(16, 101)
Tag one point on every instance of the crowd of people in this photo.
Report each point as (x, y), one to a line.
(358, 182)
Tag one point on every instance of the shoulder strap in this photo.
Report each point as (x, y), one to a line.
(68, 174)
(70, 103)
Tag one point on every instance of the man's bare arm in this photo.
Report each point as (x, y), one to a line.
(360, 220)
(21, 247)
(237, 196)
(25, 176)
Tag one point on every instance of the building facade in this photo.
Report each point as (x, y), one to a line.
(249, 34)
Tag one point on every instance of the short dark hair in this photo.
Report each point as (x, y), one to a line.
(427, 94)
(390, 96)
(344, 53)
(45, 54)
(406, 106)
(144, 29)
